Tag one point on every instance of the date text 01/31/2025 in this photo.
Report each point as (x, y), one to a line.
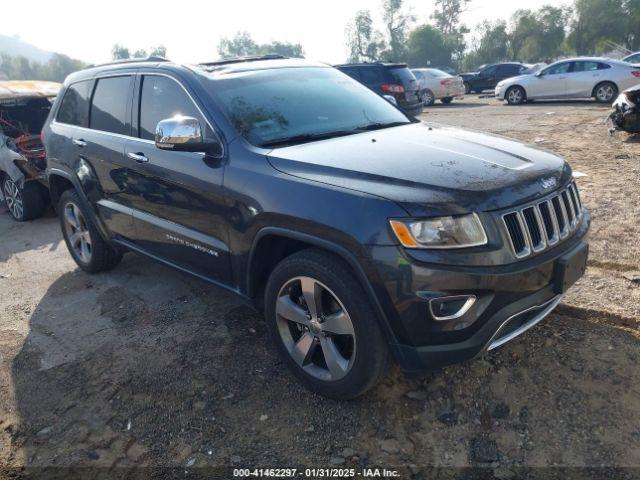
(315, 473)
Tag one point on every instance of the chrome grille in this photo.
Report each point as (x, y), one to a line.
(534, 228)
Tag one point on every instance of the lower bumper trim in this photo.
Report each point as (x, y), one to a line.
(545, 309)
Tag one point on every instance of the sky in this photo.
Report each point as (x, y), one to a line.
(191, 29)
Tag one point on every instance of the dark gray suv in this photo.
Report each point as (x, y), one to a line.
(364, 234)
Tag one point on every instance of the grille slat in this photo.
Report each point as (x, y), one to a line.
(535, 228)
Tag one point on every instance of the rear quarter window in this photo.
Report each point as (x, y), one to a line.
(74, 109)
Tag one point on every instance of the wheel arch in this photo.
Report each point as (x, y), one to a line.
(593, 91)
(517, 85)
(291, 241)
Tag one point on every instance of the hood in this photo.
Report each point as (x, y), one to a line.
(428, 169)
(515, 79)
(468, 74)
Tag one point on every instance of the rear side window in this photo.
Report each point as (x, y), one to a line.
(163, 98)
(371, 75)
(74, 109)
(109, 105)
(402, 75)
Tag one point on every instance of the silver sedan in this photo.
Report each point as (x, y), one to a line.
(584, 77)
(438, 85)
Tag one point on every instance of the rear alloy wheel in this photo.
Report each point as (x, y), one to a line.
(606, 92)
(323, 325)
(87, 247)
(467, 88)
(515, 96)
(24, 203)
(428, 98)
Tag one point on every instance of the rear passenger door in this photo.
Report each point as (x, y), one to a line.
(178, 207)
(101, 147)
(583, 77)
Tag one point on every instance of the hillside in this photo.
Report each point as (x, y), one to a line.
(16, 47)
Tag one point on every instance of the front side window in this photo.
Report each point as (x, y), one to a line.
(267, 106)
(557, 69)
(162, 98)
(109, 105)
(489, 72)
(74, 108)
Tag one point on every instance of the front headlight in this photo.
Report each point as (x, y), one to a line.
(441, 232)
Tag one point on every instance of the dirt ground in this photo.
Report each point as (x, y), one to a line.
(146, 366)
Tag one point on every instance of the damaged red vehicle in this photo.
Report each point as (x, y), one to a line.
(24, 106)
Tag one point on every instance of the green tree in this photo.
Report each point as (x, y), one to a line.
(632, 7)
(119, 52)
(242, 45)
(538, 35)
(159, 51)
(140, 53)
(365, 43)
(595, 22)
(493, 45)
(426, 46)
(447, 16)
(397, 24)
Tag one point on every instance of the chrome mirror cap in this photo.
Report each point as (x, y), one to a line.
(180, 133)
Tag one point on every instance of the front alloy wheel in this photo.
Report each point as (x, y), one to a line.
(316, 329)
(13, 198)
(77, 232)
(323, 325)
(515, 96)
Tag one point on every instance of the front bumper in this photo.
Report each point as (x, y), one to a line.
(499, 93)
(510, 299)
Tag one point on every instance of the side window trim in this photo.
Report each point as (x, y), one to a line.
(127, 113)
(138, 99)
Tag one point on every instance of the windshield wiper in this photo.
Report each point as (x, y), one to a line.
(379, 126)
(307, 137)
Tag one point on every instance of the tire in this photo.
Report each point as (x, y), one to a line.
(360, 352)
(515, 95)
(605, 92)
(467, 88)
(446, 100)
(26, 203)
(87, 247)
(428, 98)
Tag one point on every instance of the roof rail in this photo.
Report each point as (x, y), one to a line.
(252, 58)
(131, 60)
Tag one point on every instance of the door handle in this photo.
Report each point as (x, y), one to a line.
(78, 142)
(138, 157)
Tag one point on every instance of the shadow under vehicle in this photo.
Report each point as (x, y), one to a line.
(24, 107)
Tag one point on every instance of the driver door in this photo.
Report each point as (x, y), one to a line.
(551, 83)
(178, 207)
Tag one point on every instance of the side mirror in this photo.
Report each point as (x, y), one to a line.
(182, 134)
(539, 74)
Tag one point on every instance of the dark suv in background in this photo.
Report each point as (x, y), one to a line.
(391, 80)
(364, 234)
(489, 76)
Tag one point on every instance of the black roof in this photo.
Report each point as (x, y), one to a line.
(252, 58)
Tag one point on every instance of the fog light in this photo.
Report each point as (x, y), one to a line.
(450, 308)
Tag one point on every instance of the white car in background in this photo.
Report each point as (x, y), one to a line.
(633, 58)
(584, 77)
(438, 85)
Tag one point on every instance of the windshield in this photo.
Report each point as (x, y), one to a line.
(434, 72)
(268, 107)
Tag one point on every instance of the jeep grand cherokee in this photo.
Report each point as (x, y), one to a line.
(364, 234)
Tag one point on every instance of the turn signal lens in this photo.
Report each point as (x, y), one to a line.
(403, 234)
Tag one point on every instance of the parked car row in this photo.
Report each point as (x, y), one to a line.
(582, 77)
